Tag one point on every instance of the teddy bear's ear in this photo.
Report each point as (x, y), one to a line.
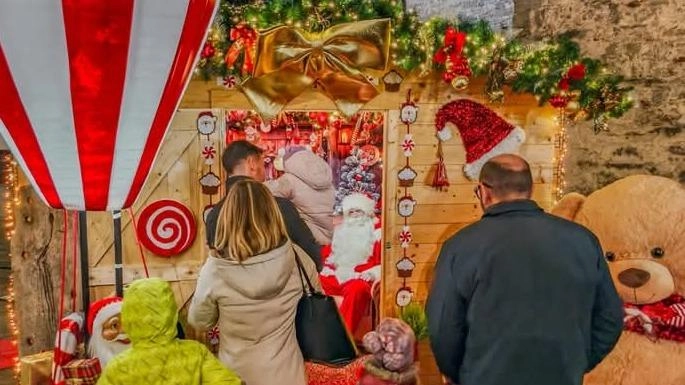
(569, 206)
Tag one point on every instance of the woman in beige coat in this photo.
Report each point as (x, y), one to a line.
(251, 287)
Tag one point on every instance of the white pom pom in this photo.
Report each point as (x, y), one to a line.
(445, 134)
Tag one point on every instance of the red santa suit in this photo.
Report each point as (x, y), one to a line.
(352, 263)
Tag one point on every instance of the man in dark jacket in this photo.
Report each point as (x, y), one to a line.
(242, 159)
(520, 297)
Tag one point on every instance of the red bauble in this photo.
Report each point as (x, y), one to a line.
(558, 101)
(207, 51)
(576, 72)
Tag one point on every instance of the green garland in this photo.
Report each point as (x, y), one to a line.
(536, 69)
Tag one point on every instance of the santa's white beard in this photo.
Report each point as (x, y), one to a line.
(352, 244)
(104, 350)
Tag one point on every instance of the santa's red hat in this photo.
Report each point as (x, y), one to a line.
(484, 133)
(99, 311)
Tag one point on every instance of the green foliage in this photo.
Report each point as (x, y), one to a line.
(541, 66)
(415, 316)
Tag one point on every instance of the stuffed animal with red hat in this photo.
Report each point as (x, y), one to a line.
(107, 338)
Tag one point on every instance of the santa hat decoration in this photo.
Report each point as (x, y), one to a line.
(484, 133)
(100, 311)
(358, 201)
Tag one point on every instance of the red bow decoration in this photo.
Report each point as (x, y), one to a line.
(574, 74)
(451, 54)
(244, 39)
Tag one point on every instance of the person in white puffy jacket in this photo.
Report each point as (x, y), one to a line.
(308, 183)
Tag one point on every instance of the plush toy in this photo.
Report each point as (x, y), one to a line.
(640, 223)
(392, 346)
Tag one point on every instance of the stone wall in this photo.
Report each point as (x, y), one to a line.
(644, 41)
(498, 13)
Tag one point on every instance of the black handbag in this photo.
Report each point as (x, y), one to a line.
(321, 331)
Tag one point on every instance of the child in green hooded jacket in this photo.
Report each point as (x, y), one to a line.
(149, 315)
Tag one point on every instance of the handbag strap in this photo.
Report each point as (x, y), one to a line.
(303, 273)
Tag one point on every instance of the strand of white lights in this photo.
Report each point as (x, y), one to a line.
(560, 148)
(11, 198)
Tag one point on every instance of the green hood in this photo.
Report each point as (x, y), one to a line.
(149, 313)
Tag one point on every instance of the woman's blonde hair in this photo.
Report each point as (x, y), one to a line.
(250, 222)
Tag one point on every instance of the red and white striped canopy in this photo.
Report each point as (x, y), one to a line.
(88, 89)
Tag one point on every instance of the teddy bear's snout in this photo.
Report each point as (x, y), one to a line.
(633, 277)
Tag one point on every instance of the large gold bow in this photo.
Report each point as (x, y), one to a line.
(290, 60)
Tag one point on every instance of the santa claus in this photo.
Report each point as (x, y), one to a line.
(352, 263)
(107, 338)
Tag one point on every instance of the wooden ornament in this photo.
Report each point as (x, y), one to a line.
(405, 206)
(404, 296)
(405, 267)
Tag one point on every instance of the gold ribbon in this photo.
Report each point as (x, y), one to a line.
(290, 60)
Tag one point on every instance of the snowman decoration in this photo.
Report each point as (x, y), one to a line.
(206, 123)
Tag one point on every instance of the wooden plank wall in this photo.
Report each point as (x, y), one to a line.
(438, 215)
(174, 175)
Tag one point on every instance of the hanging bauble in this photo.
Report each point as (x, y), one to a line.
(460, 82)
(558, 101)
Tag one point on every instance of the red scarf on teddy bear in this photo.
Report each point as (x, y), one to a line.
(661, 320)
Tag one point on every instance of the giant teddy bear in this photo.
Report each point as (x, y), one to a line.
(640, 223)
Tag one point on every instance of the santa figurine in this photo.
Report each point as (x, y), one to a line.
(107, 338)
(352, 263)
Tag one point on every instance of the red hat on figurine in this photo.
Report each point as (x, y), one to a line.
(484, 133)
(101, 310)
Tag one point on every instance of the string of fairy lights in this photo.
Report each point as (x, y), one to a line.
(560, 148)
(10, 200)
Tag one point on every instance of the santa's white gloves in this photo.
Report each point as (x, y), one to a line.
(372, 274)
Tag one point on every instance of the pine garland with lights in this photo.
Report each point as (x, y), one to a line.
(537, 69)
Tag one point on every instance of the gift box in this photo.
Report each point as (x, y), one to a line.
(85, 371)
(36, 369)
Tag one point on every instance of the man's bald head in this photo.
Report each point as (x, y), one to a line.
(508, 177)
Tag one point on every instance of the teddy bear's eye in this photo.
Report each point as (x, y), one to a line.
(610, 256)
(658, 252)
